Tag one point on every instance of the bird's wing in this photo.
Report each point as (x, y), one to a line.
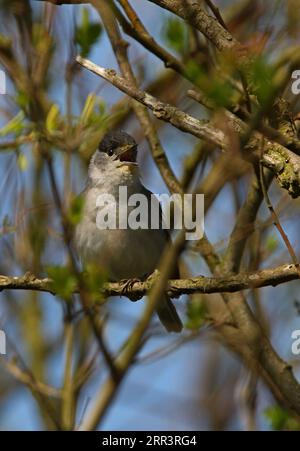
(166, 232)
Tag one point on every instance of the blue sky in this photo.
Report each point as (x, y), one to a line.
(165, 394)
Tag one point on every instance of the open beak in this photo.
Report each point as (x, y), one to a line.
(128, 155)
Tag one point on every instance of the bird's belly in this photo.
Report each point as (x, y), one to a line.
(123, 253)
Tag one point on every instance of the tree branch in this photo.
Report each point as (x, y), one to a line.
(283, 162)
(176, 287)
(119, 46)
(194, 13)
(163, 111)
(64, 2)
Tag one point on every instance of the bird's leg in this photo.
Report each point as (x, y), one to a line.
(127, 285)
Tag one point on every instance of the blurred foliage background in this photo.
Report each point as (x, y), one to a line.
(55, 109)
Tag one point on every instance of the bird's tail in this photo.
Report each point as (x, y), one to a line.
(168, 316)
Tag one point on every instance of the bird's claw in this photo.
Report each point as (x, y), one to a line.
(127, 285)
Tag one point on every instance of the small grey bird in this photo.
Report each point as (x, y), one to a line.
(124, 253)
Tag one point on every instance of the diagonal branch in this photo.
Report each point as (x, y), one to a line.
(165, 112)
(282, 161)
(194, 13)
(137, 31)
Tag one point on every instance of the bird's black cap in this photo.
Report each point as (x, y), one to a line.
(114, 140)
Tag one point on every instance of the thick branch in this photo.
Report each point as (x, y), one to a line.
(194, 13)
(176, 287)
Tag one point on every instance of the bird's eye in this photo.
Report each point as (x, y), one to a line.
(110, 152)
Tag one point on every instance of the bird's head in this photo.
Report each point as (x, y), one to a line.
(116, 151)
(119, 146)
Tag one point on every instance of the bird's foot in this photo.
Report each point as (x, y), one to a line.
(127, 285)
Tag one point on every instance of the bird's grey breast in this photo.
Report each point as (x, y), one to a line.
(125, 253)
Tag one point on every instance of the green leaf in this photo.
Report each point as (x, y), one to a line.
(76, 209)
(88, 108)
(63, 281)
(6, 46)
(271, 244)
(175, 35)
(260, 75)
(93, 116)
(196, 313)
(98, 116)
(15, 125)
(216, 89)
(22, 161)
(195, 72)
(22, 99)
(280, 419)
(220, 92)
(87, 33)
(94, 278)
(52, 118)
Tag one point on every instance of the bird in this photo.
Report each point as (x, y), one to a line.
(125, 253)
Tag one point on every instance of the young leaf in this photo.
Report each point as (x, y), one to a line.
(15, 125)
(22, 161)
(196, 313)
(88, 108)
(175, 34)
(94, 278)
(75, 211)
(261, 77)
(52, 118)
(63, 281)
(87, 33)
(280, 419)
